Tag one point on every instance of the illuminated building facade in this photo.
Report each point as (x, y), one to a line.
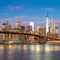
(54, 27)
(32, 24)
(47, 24)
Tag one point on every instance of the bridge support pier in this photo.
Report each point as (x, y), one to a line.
(10, 36)
(6, 36)
(42, 40)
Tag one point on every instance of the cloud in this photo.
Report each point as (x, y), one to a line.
(5, 19)
(14, 7)
(15, 19)
(27, 19)
(20, 17)
(37, 18)
(48, 9)
(4, 13)
(23, 18)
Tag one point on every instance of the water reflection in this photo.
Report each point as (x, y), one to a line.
(25, 47)
(48, 48)
(29, 52)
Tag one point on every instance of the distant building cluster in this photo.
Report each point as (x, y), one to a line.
(50, 29)
(51, 26)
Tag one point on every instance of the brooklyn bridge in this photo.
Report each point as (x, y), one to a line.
(30, 32)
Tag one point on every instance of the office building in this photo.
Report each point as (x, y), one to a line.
(18, 25)
(38, 29)
(47, 24)
(29, 28)
(32, 24)
(54, 27)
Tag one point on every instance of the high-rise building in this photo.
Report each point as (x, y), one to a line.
(29, 28)
(22, 37)
(22, 28)
(18, 25)
(38, 29)
(32, 24)
(47, 24)
(54, 27)
(6, 26)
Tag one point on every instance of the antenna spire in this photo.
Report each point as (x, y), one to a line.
(47, 14)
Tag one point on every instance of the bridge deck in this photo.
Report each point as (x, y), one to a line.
(26, 33)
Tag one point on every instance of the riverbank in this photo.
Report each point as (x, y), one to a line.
(53, 42)
(32, 42)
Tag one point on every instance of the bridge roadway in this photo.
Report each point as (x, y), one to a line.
(18, 32)
(26, 33)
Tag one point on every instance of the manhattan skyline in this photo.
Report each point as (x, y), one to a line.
(29, 10)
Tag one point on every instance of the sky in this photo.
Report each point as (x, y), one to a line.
(29, 10)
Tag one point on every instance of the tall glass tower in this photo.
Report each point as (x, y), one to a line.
(47, 23)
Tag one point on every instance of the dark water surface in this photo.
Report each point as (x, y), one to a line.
(30, 52)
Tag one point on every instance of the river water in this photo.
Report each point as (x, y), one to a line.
(30, 52)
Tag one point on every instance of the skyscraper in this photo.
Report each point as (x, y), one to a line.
(54, 27)
(32, 24)
(47, 24)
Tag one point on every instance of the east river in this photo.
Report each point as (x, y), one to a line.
(30, 52)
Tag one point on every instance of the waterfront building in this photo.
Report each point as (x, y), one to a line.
(17, 28)
(2, 36)
(43, 31)
(29, 28)
(8, 25)
(38, 29)
(22, 28)
(32, 24)
(18, 25)
(4, 26)
(54, 27)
